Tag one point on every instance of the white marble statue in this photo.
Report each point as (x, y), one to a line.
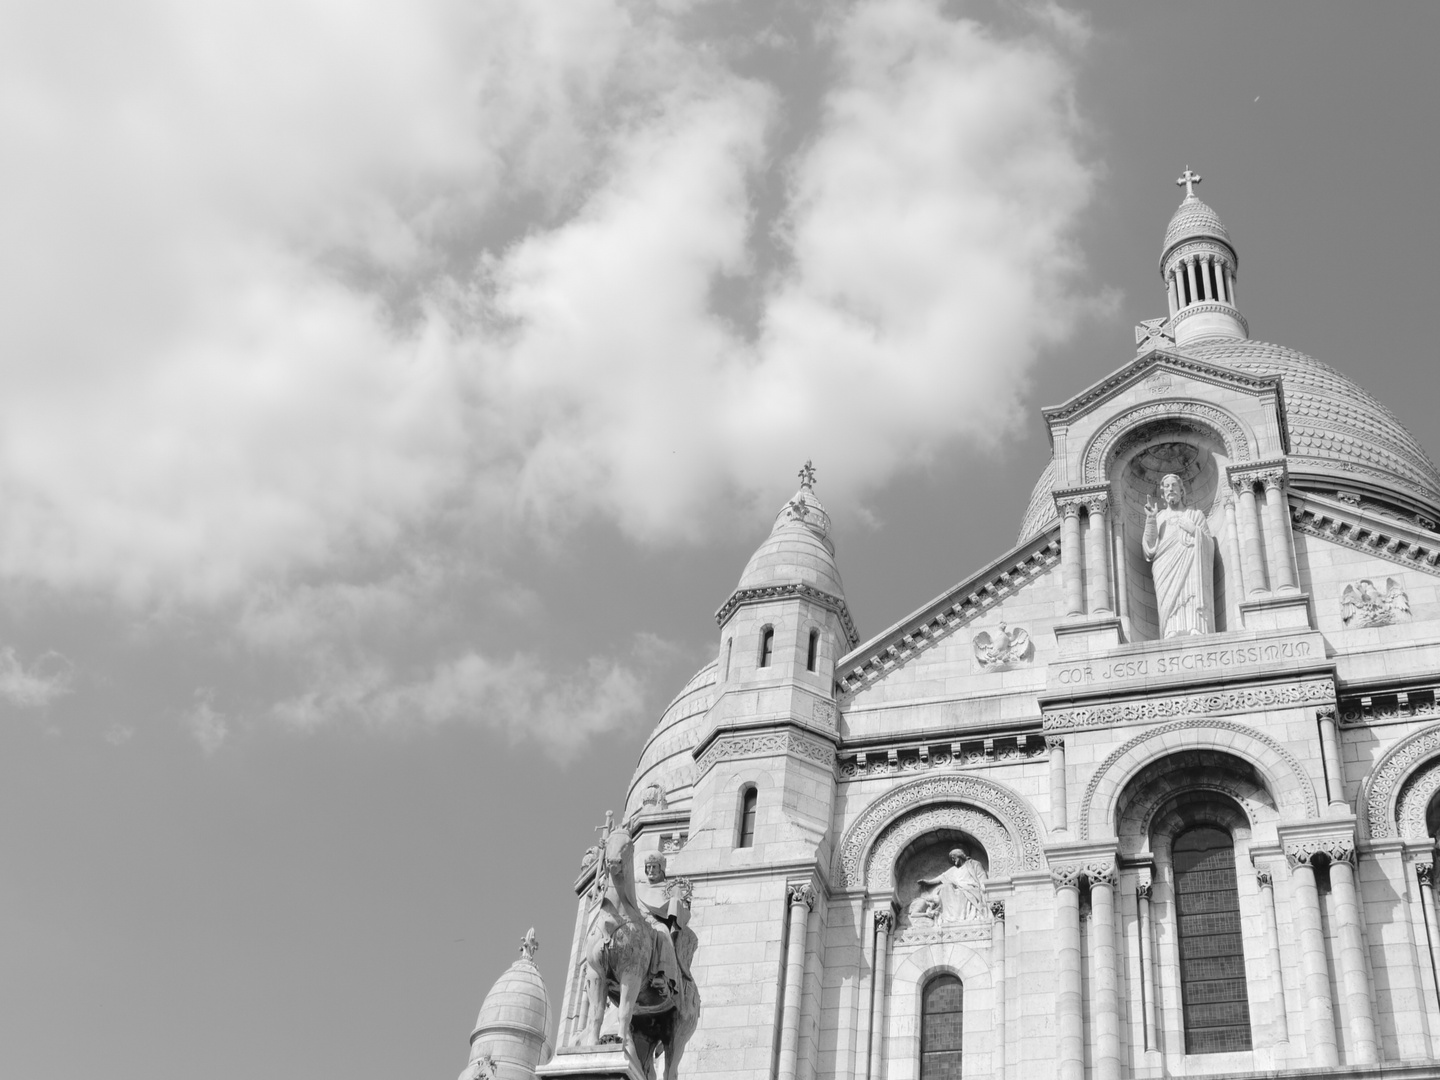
(961, 889)
(1182, 555)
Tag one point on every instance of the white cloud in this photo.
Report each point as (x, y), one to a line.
(34, 686)
(420, 277)
(207, 724)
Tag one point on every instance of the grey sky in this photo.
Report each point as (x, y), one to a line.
(330, 640)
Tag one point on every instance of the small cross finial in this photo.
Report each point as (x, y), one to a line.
(807, 476)
(1189, 179)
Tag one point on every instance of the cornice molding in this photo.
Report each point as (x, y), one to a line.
(765, 593)
(1171, 359)
(1350, 526)
(952, 610)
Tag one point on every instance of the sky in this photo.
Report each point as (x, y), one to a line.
(394, 390)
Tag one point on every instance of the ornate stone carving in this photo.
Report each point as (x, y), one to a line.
(1145, 891)
(1425, 872)
(1334, 849)
(1012, 811)
(1414, 552)
(529, 945)
(1247, 699)
(654, 795)
(764, 745)
(1100, 873)
(1296, 792)
(1178, 544)
(1265, 878)
(1106, 442)
(984, 827)
(1413, 804)
(802, 894)
(1395, 766)
(1067, 875)
(884, 920)
(1009, 645)
(1154, 333)
(960, 890)
(766, 593)
(681, 888)
(1054, 742)
(1362, 604)
(914, 936)
(997, 910)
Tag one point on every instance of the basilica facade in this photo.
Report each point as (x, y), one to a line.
(1154, 793)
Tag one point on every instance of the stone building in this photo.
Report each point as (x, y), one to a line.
(1154, 793)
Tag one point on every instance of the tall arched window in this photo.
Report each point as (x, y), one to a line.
(748, 802)
(1212, 957)
(812, 657)
(940, 1029)
(767, 646)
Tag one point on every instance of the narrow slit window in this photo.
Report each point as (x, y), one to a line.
(812, 656)
(941, 1028)
(1212, 955)
(748, 803)
(728, 643)
(767, 646)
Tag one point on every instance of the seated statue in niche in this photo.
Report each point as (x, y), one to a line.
(960, 891)
(1181, 551)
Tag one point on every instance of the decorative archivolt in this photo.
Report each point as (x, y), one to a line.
(984, 827)
(1109, 440)
(1008, 809)
(1158, 786)
(1283, 775)
(1402, 784)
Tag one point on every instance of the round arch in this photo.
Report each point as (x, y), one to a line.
(1111, 439)
(1404, 761)
(1010, 810)
(1207, 773)
(1283, 777)
(907, 981)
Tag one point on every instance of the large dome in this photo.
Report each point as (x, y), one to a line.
(1338, 432)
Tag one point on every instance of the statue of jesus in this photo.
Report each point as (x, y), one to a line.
(1182, 555)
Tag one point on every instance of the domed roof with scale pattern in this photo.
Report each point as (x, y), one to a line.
(1193, 218)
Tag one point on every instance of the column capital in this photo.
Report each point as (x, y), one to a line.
(1145, 891)
(1325, 712)
(803, 893)
(997, 910)
(1067, 875)
(884, 921)
(1054, 742)
(1098, 504)
(1069, 501)
(1272, 473)
(1425, 872)
(1265, 878)
(1326, 849)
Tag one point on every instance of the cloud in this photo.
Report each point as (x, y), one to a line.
(300, 327)
(206, 723)
(36, 685)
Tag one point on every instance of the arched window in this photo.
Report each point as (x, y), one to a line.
(813, 655)
(748, 803)
(940, 1029)
(1212, 957)
(767, 646)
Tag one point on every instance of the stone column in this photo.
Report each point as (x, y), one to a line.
(1069, 1016)
(1172, 289)
(1330, 752)
(1059, 812)
(1071, 557)
(1103, 981)
(1281, 1028)
(997, 981)
(1234, 573)
(1354, 977)
(1251, 555)
(1143, 893)
(1279, 543)
(1190, 277)
(1098, 557)
(1425, 872)
(801, 897)
(1233, 302)
(1315, 979)
(884, 923)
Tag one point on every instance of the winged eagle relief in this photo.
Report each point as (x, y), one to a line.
(1010, 645)
(1362, 604)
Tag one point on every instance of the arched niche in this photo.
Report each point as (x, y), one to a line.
(1190, 779)
(1196, 452)
(918, 844)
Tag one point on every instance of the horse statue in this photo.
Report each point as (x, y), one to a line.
(640, 965)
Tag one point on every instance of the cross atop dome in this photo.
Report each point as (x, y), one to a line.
(1189, 180)
(807, 476)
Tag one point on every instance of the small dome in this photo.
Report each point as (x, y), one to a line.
(1193, 220)
(798, 550)
(513, 1028)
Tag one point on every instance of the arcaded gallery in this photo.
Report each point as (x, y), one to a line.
(1154, 793)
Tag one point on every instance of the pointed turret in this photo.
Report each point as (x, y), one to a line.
(1198, 265)
(512, 1033)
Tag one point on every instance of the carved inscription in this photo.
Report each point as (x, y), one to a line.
(1181, 663)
